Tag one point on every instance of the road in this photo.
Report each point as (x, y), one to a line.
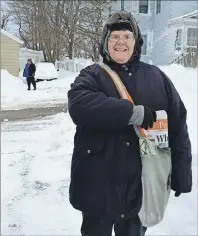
(31, 113)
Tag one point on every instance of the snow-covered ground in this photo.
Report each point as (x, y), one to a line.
(35, 164)
(14, 93)
(35, 171)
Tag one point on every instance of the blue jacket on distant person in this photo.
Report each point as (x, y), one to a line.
(29, 70)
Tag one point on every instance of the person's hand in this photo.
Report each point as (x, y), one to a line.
(149, 118)
(177, 193)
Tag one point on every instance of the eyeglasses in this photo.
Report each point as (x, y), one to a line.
(126, 38)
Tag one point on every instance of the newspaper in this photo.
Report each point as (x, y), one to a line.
(159, 133)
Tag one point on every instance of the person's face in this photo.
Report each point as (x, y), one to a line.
(121, 45)
(29, 62)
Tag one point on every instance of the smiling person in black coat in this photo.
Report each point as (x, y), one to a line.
(106, 164)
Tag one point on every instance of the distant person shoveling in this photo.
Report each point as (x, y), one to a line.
(29, 73)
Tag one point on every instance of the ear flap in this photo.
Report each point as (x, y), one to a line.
(135, 27)
(104, 46)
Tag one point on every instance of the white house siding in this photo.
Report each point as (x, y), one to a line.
(160, 38)
(145, 22)
(164, 37)
(183, 25)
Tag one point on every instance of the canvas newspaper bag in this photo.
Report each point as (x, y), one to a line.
(156, 161)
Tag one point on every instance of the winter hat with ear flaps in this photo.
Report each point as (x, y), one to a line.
(121, 25)
(121, 20)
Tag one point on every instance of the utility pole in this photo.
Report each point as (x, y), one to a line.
(122, 5)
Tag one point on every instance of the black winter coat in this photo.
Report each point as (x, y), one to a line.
(32, 70)
(106, 164)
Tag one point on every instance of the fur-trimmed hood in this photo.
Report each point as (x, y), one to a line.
(115, 18)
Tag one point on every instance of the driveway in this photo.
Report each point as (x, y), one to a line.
(31, 113)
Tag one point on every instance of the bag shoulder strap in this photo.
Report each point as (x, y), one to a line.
(122, 91)
(117, 81)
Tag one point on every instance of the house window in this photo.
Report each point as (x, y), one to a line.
(144, 46)
(158, 6)
(192, 37)
(178, 40)
(143, 6)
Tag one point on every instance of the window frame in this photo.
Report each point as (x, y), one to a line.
(143, 13)
(187, 38)
(145, 44)
(158, 6)
(178, 47)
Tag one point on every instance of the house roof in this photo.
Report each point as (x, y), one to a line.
(11, 36)
(191, 15)
(30, 50)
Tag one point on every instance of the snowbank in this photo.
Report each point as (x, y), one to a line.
(185, 81)
(14, 93)
(11, 87)
(183, 78)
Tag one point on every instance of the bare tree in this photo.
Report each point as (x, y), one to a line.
(5, 17)
(91, 27)
(60, 28)
(34, 23)
(70, 19)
